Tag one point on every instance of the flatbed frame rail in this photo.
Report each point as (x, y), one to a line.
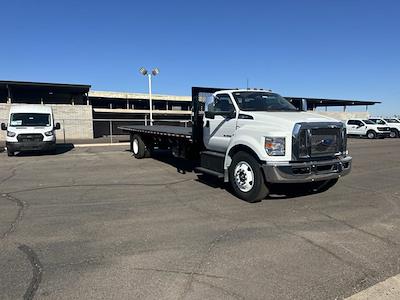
(171, 131)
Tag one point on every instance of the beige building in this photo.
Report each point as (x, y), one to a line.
(87, 114)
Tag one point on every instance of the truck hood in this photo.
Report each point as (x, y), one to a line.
(286, 120)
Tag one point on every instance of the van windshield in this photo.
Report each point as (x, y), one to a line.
(30, 119)
(262, 101)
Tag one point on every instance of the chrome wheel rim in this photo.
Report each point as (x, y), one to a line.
(392, 134)
(135, 146)
(244, 176)
(370, 135)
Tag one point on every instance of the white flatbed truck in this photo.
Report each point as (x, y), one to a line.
(252, 139)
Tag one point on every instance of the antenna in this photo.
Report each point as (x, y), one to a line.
(247, 82)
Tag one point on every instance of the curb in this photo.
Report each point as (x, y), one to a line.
(100, 145)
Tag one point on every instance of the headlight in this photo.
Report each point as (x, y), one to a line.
(49, 133)
(275, 146)
(11, 134)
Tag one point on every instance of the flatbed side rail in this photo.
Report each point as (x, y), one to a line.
(148, 130)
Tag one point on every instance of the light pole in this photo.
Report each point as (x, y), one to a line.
(154, 72)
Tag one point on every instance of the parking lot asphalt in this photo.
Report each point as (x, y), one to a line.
(95, 223)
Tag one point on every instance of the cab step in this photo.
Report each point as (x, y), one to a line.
(209, 172)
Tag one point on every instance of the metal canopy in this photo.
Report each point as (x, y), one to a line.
(43, 86)
(318, 102)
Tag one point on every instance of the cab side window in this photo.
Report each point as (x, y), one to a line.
(221, 103)
(352, 122)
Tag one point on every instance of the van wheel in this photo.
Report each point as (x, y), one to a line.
(246, 178)
(10, 153)
(371, 134)
(139, 148)
(394, 133)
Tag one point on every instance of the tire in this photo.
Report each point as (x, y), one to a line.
(246, 178)
(371, 134)
(322, 186)
(10, 153)
(139, 148)
(394, 133)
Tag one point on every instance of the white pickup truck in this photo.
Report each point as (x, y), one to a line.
(30, 127)
(367, 128)
(252, 139)
(392, 123)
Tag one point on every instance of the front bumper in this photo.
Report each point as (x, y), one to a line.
(30, 146)
(297, 172)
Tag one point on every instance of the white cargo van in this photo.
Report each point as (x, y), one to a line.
(30, 127)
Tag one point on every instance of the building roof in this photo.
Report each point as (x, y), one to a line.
(62, 88)
(40, 86)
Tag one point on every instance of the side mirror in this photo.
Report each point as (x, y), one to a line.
(3, 126)
(230, 114)
(57, 127)
(209, 115)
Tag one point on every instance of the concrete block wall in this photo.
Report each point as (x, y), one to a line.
(76, 121)
(4, 110)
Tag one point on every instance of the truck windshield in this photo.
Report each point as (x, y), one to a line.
(29, 119)
(378, 121)
(392, 121)
(262, 101)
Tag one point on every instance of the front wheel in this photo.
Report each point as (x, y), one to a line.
(246, 178)
(10, 153)
(371, 134)
(394, 134)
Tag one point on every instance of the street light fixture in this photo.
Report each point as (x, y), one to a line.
(154, 72)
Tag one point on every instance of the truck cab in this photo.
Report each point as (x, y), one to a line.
(264, 139)
(30, 127)
(392, 123)
(367, 128)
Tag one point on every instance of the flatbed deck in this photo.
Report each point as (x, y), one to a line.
(162, 130)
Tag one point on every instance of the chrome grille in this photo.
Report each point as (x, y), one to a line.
(318, 140)
(324, 141)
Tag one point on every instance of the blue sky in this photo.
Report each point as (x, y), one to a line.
(338, 49)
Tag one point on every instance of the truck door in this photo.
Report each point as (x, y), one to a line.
(355, 127)
(219, 122)
(360, 128)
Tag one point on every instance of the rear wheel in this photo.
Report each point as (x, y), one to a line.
(139, 148)
(371, 134)
(246, 178)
